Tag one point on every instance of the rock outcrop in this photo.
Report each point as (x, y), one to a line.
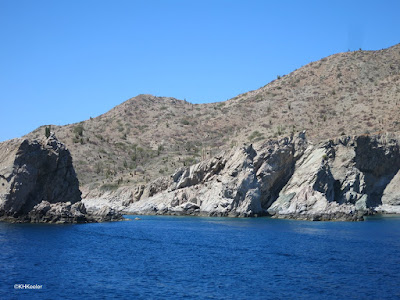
(243, 182)
(341, 179)
(344, 178)
(38, 184)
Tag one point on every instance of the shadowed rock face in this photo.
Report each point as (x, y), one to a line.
(343, 179)
(379, 160)
(42, 171)
(38, 183)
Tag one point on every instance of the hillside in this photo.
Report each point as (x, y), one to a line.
(146, 136)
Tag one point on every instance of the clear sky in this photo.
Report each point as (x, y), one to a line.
(64, 61)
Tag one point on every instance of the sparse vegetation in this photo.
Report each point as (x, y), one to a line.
(160, 149)
(256, 136)
(98, 167)
(109, 187)
(280, 130)
(78, 130)
(185, 122)
(189, 161)
(327, 98)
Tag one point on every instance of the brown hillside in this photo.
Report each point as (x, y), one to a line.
(146, 136)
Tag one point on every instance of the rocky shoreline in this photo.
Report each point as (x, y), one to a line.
(341, 179)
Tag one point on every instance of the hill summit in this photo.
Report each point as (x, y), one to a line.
(351, 93)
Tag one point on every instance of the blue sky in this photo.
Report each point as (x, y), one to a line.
(66, 61)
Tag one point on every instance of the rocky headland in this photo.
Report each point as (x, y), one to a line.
(120, 155)
(38, 184)
(341, 179)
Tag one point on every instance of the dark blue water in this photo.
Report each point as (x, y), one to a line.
(203, 258)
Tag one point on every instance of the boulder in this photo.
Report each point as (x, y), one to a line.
(60, 213)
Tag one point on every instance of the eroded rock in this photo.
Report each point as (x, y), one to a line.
(344, 178)
(341, 179)
(38, 183)
(239, 183)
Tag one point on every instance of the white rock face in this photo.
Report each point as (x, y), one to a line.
(116, 200)
(242, 182)
(391, 194)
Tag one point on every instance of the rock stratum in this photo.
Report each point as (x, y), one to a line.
(38, 184)
(340, 179)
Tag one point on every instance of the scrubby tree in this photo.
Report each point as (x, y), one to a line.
(78, 130)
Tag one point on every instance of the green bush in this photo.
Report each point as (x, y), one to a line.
(109, 187)
(185, 122)
(160, 149)
(78, 130)
(256, 136)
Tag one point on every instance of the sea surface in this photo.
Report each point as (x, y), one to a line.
(165, 257)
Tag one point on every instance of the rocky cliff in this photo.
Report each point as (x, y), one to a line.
(341, 179)
(38, 184)
(344, 178)
(243, 182)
